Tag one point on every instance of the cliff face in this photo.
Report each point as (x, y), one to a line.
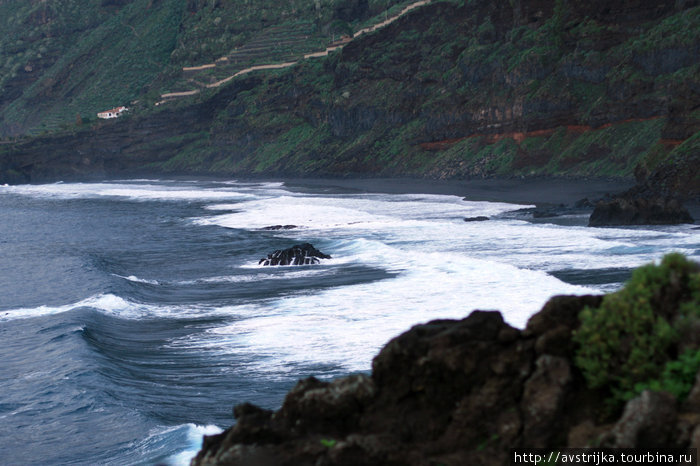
(466, 392)
(451, 90)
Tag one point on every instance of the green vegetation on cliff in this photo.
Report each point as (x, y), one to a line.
(65, 58)
(467, 91)
(450, 90)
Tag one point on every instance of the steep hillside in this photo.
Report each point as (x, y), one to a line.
(65, 60)
(450, 90)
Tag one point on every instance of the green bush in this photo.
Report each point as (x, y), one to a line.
(629, 343)
(677, 377)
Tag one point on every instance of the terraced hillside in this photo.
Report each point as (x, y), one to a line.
(275, 44)
(62, 61)
(277, 47)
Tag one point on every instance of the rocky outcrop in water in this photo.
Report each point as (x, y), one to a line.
(632, 209)
(543, 212)
(300, 254)
(279, 227)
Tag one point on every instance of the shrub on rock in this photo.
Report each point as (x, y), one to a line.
(626, 344)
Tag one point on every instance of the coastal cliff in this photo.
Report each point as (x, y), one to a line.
(449, 90)
(613, 371)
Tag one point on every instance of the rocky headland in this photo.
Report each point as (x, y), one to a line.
(619, 370)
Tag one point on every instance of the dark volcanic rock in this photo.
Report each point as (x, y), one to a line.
(300, 254)
(648, 420)
(279, 227)
(544, 214)
(584, 203)
(545, 211)
(630, 209)
(480, 218)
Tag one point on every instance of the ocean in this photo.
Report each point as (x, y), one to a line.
(134, 314)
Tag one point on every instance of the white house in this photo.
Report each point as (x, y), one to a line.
(113, 113)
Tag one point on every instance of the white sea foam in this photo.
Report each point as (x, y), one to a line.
(110, 304)
(136, 279)
(192, 442)
(171, 445)
(443, 268)
(277, 273)
(375, 212)
(131, 191)
(434, 223)
(347, 325)
(103, 302)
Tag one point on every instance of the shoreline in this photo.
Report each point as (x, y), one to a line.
(540, 191)
(529, 190)
(547, 191)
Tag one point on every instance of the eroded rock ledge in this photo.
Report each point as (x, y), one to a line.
(455, 393)
(634, 209)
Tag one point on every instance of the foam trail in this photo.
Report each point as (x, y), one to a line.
(351, 323)
(132, 191)
(104, 302)
(367, 211)
(267, 273)
(193, 441)
(116, 306)
(136, 279)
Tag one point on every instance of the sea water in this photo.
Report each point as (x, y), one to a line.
(134, 314)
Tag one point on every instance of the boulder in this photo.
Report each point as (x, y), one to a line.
(629, 209)
(279, 227)
(300, 254)
(543, 400)
(647, 422)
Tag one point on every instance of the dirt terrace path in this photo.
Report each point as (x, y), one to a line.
(275, 66)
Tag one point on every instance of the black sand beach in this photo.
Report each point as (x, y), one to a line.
(525, 191)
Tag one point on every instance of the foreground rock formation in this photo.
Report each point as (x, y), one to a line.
(464, 393)
(301, 254)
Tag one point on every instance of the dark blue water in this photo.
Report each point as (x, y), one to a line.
(85, 387)
(132, 316)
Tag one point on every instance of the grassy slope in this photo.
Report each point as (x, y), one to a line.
(94, 58)
(64, 58)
